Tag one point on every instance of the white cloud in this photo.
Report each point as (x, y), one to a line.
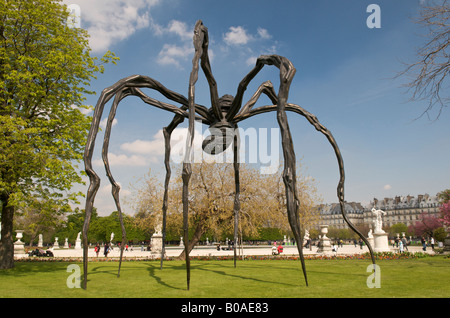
(172, 54)
(123, 160)
(84, 111)
(387, 187)
(106, 189)
(240, 36)
(251, 60)
(176, 27)
(180, 29)
(153, 147)
(156, 146)
(104, 122)
(109, 21)
(175, 54)
(237, 36)
(264, 34)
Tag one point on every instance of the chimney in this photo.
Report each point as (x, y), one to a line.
(420, 197)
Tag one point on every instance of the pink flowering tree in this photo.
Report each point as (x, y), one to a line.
(445, 214)
(427, 224)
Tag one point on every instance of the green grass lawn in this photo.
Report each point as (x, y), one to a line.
(426, 277)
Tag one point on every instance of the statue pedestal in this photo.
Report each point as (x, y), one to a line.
(78, 244)
(381, 243)
(324, 242)
(19, 250)
(325, 245)
(156, 242)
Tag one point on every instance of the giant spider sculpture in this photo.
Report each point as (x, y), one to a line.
(223, 116)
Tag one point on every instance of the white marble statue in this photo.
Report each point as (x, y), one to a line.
(378, 222)
(41, 241)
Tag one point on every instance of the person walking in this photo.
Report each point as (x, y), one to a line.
(400, 246)
(106, 250)
(405, 243)
(424, 243)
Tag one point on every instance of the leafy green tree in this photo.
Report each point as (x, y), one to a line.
(398, 228)
(72, 224)
(45, 68)
(41, 216)
(102, 227)
(444, 196)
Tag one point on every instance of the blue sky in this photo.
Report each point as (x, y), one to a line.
(345, 76)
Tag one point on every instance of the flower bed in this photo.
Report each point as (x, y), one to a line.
(364, 256)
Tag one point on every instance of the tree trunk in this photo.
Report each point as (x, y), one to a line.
(6, 243)
(199, 231)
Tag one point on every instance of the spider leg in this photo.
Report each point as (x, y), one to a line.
(312, 119)
(287, 72)
(198, 40)
(237, 204)
(167, 132)
(124, 87)
(289, 174)
(206, 67)
(266, 88)
(115, 188)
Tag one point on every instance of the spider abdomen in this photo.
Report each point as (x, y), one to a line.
(219, 140)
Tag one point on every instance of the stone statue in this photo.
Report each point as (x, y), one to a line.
(378, 222)
(41, 241)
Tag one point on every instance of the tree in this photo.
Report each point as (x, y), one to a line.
(426, 225)
(445, 213)
(211, 203)
(73, 224)
(147, 203)
(444, 196)
(430, 72)
(41, 216)
(398, 228)
(45, 67)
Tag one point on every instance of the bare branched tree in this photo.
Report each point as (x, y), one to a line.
(428, 75)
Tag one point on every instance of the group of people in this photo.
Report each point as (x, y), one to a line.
(106, 249)
(401, 243)
(424, 243)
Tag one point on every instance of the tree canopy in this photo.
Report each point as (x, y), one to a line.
(45, 70)
(211, 199)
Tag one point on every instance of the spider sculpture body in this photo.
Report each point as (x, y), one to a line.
(222, 118)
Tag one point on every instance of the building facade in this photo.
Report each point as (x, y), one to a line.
(401, 209)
